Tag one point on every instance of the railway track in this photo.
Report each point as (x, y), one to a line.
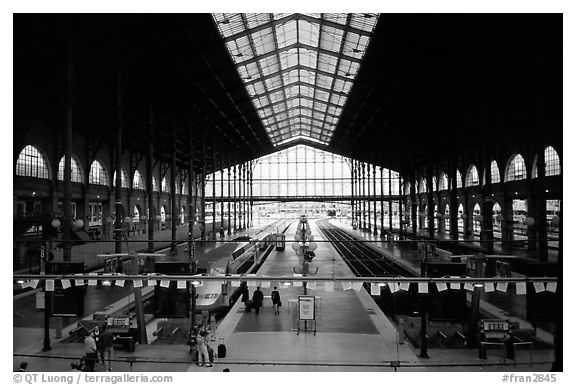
(361, 258)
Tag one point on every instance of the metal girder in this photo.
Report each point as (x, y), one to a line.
(295, 16)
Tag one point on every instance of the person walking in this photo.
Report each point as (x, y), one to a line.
(245, 296)
(257, 299)
(90, 351)
(276, 303)
(107, 342)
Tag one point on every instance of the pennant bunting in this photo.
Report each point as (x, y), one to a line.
(65, 283)
(441, 286)
(119, 282)
(455, 285)
(181, 284)
(538, 287)
(357, 286)
(502, 286)
(49, 285)
(394, 287)
(164, 283)
(25, 284)
(489, 287)
(297, 283)
(521, 288)
(33, 283)
(235, 283)
(374, 289)
(468, 286)
(329, 286)
(422, 287)
(346, 285)
(79, 282)
(551, 286)
(137, 283)
(311, 285)
(405, 286)
(92, 282)
(265, 284)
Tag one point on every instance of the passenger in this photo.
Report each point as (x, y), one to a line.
(90, 351)
(276, 303)
(202, 347)
(100, 350)
(245, 294)
(107, 342)
(257, 299)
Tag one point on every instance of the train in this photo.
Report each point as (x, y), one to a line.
(217, 296)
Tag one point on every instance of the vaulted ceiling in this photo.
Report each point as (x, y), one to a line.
(396, 90)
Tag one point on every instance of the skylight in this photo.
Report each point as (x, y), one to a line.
(297, 68)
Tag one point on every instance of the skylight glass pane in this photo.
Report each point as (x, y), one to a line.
(286, 33)
(290, 88)
(365, 22)
(263, 41)
(331, 38)
(308, 57)
(257, 19)
(308, 33)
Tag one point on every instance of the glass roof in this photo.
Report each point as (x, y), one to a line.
(297, 67)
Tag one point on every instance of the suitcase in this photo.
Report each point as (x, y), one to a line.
(210, 354)
(221, 349)
(249, 306)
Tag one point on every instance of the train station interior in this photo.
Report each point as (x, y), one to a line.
(397, 179)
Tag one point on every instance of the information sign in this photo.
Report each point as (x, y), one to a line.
(307, 306)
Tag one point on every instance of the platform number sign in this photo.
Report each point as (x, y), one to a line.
(307, 306)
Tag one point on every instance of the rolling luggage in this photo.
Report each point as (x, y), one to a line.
(221, 349)
(249, 306)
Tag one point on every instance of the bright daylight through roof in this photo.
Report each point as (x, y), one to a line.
(297, 68)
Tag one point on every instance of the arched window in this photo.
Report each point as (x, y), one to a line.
(164, 185)
(443, 182)
(98, 174)
(494, 172)
(76, 172)
(154, 184)
(137, 182)
(472, 177)
(422, 186)
(516, 169)
(123, 179)
(32, 163)
(458, 179)
(551, 163)
(434, 183)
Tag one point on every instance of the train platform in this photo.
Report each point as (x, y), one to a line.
(28, 321)
(409, 258)
(352, 334)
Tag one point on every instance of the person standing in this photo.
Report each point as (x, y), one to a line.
(275, 295)
(257, 299)
(100, 350)
(90, 351)
(202, 347)
(107, 343)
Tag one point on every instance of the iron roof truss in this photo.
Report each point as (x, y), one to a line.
(297, 68)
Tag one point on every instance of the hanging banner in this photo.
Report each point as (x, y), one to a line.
(307, 307)
(441, 286)
(521, 288)
(374, 289)
(502, 286)
(551, 286)
(489, 287)
(329, 286)
(538, 287)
